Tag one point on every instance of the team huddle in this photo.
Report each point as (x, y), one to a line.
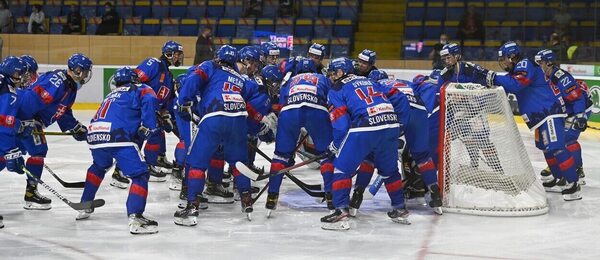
(350, 118)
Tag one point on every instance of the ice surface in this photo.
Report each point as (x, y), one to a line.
(569, 231)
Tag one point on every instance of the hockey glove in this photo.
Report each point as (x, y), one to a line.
(577, 122)
(79, 132)
(185, 111)
(266, 134)
(270, 121)
(145, 132)
(14, 161)
(27, 127)
(490, 79)
(332, 151)
(165, 120)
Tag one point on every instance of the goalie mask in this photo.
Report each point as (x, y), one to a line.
(173, 52)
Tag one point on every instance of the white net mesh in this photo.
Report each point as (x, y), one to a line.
(484, 168)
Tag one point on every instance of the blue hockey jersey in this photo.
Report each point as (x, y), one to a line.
(406, 87)
(120, 115)
(49, 100)
(429, 94)
(8, 116)
(156, 74)
(538, 101)
(574, 92)
(305, 90)
(223, 91)
(358, 104)
(461, 73)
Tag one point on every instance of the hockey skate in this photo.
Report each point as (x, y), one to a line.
(157, 174)
(138, 224)
(571, 192)
(329, 199)
(581, 176)
(255, 169)
(118, 180)
(189, 215)
(555, 185)
(1, 221)
(338, 220)
(34, 200)
(399, 216)
(546, 175)
(271, 204)
(356, 200)
(434, 199)
(217, 194)
(162, 162)
(246, 202)
(176, 179)
(183, 197)
(84, 214)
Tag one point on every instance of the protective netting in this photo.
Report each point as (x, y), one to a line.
(484, 168)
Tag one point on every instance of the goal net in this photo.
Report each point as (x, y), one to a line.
(484, 168)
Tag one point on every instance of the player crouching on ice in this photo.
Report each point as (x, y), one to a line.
(364, 122)
(124, 120)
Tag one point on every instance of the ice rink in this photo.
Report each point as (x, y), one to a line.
(571, 230)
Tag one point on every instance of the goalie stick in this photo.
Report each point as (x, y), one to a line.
(76, 206)
(65, 184)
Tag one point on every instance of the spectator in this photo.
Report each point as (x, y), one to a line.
(73, 24)
(204, 49)
(252, 8)
(471, 26)
(435, 56)
(6, 18)
(110, 21)
(286, 8)
(555, 46)
(36, 20)
(562, 21)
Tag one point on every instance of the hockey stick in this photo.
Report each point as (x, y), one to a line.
(593, 127)
(65, 184)
(253, 176)
(76, 206)
(51, 133)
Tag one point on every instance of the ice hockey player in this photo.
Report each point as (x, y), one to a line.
(457, 71)
(304, 104)
(222, 109)
(126, 118)
(427, 88)
(269, 54)
(12, 71)
(32, 70)
(416, 126)
(316, 52)
(47, 101)
(156, 74)
(579, 107)
(543, 110)
(366, 62)
(364, 122)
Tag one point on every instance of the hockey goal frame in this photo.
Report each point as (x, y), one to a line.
(450, 191)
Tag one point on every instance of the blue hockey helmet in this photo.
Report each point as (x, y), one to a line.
(81, 68)
(343, 64)
(508, 49)
(377, 75)
(435, 74)
(269, 49)
(227, 54)
(546, 56)
(125, 75)
(13, 68)
(305, 65)
(179, 81)
(173, 51)
(273, 77)
(450, 49)
(32, 65)
(251, 53)
(317, 50)
(368, 56)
